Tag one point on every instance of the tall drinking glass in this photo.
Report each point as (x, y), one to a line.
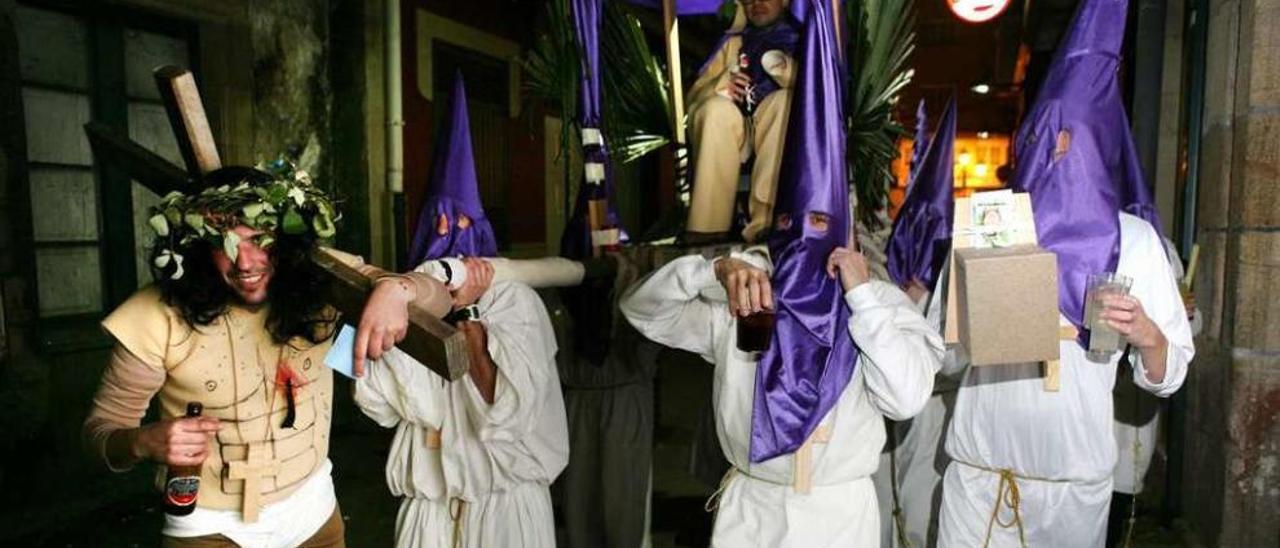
(1103, 340)
(755, 331)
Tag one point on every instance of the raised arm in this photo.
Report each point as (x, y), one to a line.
(385, 319)
(665, 306)
(900, 351)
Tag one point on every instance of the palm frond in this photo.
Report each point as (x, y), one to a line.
(637, 108)
(553, 68)
(637, 116)
(882, 43)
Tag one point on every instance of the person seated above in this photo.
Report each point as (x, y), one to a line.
(741, 98)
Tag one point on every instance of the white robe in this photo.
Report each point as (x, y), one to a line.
(499, 458)
(1059, 444)
(918, 446)
(921, 459)
(758, 506)
(1137, 414)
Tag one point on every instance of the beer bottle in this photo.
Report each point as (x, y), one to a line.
(182, 485)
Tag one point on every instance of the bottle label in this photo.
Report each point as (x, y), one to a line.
(182, 490)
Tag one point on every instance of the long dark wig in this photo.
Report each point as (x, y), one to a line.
(295, 294)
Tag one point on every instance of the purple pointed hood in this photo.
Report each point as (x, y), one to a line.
(577, 240)
(811, 357)
(453, 191)
(1079, 187)
(922, 232)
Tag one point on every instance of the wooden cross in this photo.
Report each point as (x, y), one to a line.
(252, 471)
(429, 340)
(802, 461)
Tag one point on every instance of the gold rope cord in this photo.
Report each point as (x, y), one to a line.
(713, 502)
(1008, 495)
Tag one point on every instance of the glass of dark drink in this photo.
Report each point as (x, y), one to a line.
(755, 331)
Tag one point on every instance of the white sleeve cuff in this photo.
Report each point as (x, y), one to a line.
(862, 297)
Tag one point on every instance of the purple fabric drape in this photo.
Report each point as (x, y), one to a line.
(576, 242)
(1077, 194)
(811, 358)
(684, 7)
(922, 232)
(453, 190)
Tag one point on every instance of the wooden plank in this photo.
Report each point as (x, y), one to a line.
(147, 168)
(190, 124)
(671, 37)
(429, 340)
(1052, 376)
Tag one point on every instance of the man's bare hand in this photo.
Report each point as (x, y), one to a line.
(384, 322)
(479, 278)
(916, 291)
(850, 265)
(175, 442)
(748, 287)
(1125, 314)
(739, 84)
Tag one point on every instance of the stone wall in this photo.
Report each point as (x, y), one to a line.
(1232, 472)
(291, 94)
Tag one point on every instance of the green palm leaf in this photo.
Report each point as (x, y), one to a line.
(637, 109)
(553, 68)
(882, 42)
(637, 118)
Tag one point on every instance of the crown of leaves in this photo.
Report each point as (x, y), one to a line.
(288, 204)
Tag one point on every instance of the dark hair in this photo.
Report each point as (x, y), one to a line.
(295, 293)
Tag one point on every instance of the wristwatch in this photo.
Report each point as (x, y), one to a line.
(469, 313)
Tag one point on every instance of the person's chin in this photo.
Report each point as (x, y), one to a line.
(252, 294)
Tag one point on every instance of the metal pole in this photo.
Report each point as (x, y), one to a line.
(1197, 35)
(395, 134)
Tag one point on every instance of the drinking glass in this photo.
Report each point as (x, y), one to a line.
(1103, 340)
(755, 331)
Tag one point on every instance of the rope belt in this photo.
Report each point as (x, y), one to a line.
(801, 469)
(457, 507)
(1008, 495)
(713, 502)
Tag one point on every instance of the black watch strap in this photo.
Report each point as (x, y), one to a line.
(467, 313)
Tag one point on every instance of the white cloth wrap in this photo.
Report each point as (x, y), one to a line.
(539, 273)
(498, 458)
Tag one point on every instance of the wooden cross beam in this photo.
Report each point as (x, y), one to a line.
(252, 471)
(429, 340)
(186, 114)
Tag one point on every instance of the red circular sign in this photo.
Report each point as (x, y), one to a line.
(977, 11)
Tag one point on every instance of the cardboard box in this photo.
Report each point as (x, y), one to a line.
(1007, 304)
(963, 223)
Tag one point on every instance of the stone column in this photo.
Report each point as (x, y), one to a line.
(1232, 471)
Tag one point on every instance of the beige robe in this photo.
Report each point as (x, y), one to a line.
(720, 135)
